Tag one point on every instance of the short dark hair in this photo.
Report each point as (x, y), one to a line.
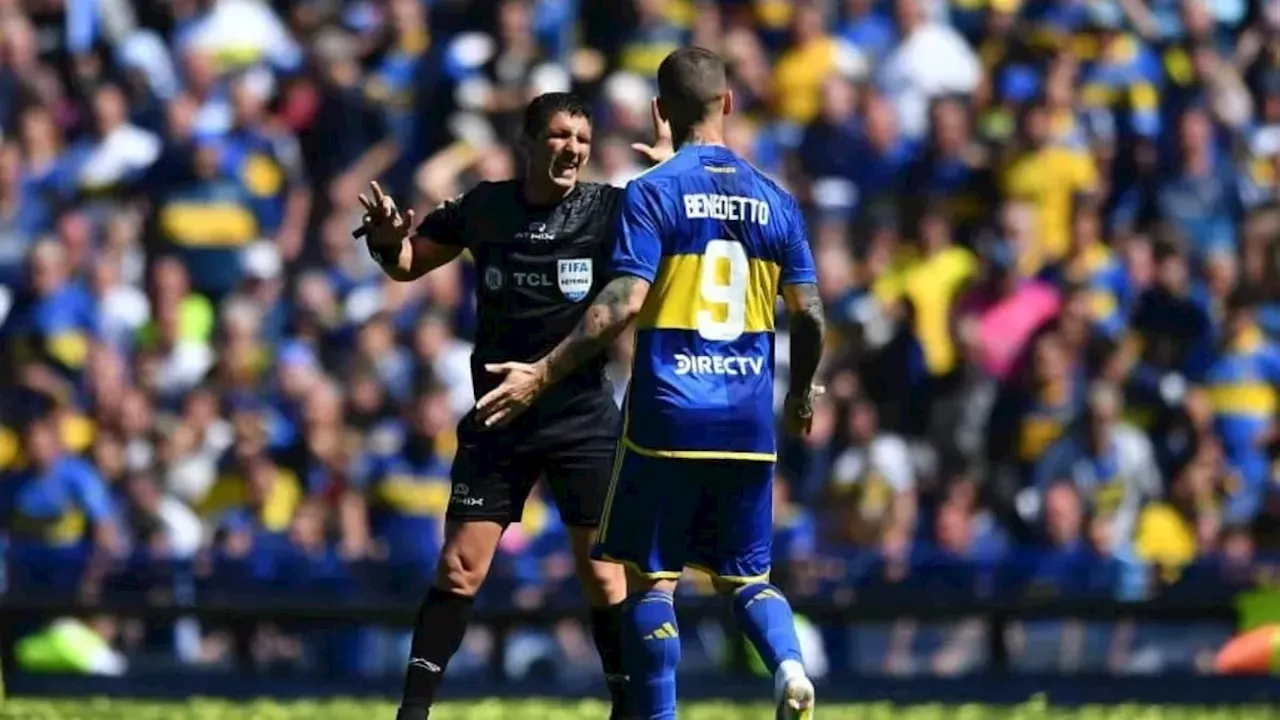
(689, 81)
(544, 107)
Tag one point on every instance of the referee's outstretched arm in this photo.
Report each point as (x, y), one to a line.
(389, 235)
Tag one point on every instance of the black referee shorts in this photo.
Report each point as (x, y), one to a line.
(493, 484)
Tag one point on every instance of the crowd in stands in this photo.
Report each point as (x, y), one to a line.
(1046, 233)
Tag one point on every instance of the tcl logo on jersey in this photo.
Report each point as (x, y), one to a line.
(532, 279)
(717, 365)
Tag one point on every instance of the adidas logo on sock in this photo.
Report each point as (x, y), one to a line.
(666, 632)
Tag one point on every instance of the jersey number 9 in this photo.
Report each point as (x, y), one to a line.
(726, 319)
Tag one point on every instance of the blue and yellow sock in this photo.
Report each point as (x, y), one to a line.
(650, 653)
(765, 617)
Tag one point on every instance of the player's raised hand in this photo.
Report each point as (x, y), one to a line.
(797, 411)
(663, 147)
(522, 383)
(383, 226)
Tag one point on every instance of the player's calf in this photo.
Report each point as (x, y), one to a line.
(605, 586)
(446, 611)
(651, 653)
(766, 619)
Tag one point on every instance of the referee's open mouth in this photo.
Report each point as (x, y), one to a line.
(565, 170)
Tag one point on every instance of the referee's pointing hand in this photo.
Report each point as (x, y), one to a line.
(383, 226)
(522, 383)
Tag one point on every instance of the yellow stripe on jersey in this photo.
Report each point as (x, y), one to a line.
(740, 580)
(618, 455)
(679, 295)
(1252, 399)
(700, 454)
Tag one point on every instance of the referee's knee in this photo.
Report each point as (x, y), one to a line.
(466, 557)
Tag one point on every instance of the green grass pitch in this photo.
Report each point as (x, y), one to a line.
(201, 709)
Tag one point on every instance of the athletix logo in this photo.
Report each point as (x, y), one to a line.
(462, 496)
(717, 365)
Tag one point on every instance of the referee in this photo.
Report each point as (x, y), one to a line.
(541, 245)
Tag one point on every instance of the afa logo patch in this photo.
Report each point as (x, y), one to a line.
(493, 279)
(574, 277)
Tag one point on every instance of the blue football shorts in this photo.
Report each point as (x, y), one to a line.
(663, 514)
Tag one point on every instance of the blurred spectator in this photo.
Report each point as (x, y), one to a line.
(1113, 466)
(59, 516)
(873, 486)
(803, 69)
(1049, 177)
(651, 39)
(54, 316)
(931, 60)
(22, 215)
(1242, 386)
(1007, 306)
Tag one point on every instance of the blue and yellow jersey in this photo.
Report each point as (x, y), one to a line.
(969, 17)
(1057, 26)
(716, 239)
(1045, 418)
(1126, 78)
(1110, 291)
(646, 47)
(268, 165)
(209, 223)
(78, 433)
(398, 81)
(62, 325)
(408, 493)
(1242, 387)
(231, 494)
(54, 508)
(208, 215)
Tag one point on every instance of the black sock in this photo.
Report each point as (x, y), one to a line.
(604, 630)
(442, 622)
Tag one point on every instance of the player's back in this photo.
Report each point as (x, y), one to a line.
(702, 382)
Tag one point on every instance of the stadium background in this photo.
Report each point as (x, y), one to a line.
(1045, 232)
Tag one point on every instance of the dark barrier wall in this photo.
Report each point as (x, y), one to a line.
(932, 635)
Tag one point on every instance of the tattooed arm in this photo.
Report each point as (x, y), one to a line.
(612, 310)
(807, 326)
(636, 256)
